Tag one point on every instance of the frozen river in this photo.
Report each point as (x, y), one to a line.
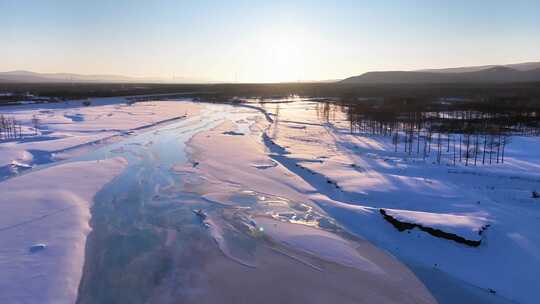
(160, 224)
(265, 203)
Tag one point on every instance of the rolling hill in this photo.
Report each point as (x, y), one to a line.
(33, 77)
(526, 72)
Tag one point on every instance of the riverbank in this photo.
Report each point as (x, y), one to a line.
(471, 227)
(168, 229)
(277, 203)
(45, 212)
(44, 223)
(61, 131)
(266, 192)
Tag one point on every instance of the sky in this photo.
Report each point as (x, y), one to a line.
(263, 41)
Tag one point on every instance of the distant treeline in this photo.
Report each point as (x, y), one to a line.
(10, 128)
(223, 92)
(471, 131)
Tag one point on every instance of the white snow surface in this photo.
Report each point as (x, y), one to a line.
(276, 185)
(8, 156)
(49, 207)
(312, 156)
(314, 142)
(70, 129)
(318, 242)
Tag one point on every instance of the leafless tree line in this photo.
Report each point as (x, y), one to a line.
(10, 128)
(469, 136)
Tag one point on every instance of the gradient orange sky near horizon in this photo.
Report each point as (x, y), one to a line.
(263, 41)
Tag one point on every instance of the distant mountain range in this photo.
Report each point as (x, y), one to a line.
(521, 72)
(27, 76)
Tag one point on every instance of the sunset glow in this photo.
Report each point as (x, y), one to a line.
(259, 41)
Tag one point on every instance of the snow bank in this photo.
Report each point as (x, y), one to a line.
(318, 242)
(313, 248)
(460, 228)
(49, 207)
(8, 156)
(69, 129)
(354, 174)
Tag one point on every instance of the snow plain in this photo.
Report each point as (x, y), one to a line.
(45, 212)
(296, 153)
(280, 207)
(70, 129)
(358, 174)
(49, 207)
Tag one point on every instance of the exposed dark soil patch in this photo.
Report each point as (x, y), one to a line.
(402, 226)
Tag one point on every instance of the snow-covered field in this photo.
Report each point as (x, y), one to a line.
(356, 175)
(322, 196)
(44, 214)
(49, 207)
(69, 129)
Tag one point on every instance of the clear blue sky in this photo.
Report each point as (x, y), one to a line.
(263, 40)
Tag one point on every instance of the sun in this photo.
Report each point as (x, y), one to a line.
(277, 56)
